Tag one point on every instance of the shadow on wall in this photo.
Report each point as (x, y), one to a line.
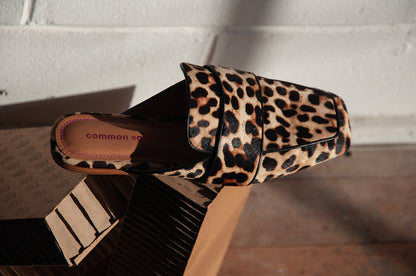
(244, 13)
(45, 112)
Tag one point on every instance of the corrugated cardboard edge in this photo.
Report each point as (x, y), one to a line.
(216, 231)
(75, 230)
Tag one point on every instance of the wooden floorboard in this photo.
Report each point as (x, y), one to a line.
(355, 215)
(345, 260)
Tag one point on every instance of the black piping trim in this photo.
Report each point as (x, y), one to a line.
(330, 95)
(262, 131)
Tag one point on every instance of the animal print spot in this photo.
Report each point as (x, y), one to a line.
(216, 88)
(234, 103)
(331, 116)
(322, 157)
(206, 143)
(251, 81)
(271, 135)
(280, 103)
(282, 121)
(102, 165)
(202, 77)
(294, 96)
(193, 131)
(289, 162)
(340, 143)
(249, 109)
(272, 146)
(282, 131)
(268, 91)
(303, 118)
(194, 174)
(83, 164)
(329, 105)
(226, 98)
(193, 103)
(347, 143)
(313, 99)
(227, 86)
(331, 129)
(240, 93)
(251, 128)
(303, 132)
(232, 121)
(239, 177)
(259, 96)
(246, 164)
(292, 169)
(269, 164)
(341, 119)
(236, 142)
(213, 132)
(318, 131)
(319, 120)
(269, 81)
(257, 143)
(204, 109)
(216, 167)
(249, 91)
(259, 115)
(289, 112)
(281, 90)
(310, 149)
(331, 144)
(199, 92)
(234, 78)
(203, 123)
(212, 102)
(307, 108)
(269, 108)
(228, 156)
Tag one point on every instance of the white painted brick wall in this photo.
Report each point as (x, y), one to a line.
(365, 51)
(10, 12)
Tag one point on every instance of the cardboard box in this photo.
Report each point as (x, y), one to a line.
(50, 216)
(175, 226)
(56, 222)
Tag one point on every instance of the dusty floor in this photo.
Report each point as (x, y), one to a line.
(355, 215)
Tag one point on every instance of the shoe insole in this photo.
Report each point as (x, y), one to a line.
(103, 138)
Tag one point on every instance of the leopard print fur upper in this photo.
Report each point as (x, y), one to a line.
(270, 128)
(240, 144)
(204, 105)
(295, 115)
(254, 128)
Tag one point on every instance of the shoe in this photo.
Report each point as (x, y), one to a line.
(219, 125)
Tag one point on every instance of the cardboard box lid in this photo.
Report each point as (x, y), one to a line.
(45, 209)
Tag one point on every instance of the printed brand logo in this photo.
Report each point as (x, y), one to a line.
(100, 136)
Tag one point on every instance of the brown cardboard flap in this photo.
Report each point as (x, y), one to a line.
(96, 213)
(69, 245)
(216, 231)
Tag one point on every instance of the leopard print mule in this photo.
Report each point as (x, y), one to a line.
(219, 125)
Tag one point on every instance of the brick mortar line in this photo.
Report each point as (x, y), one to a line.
(213, 29)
